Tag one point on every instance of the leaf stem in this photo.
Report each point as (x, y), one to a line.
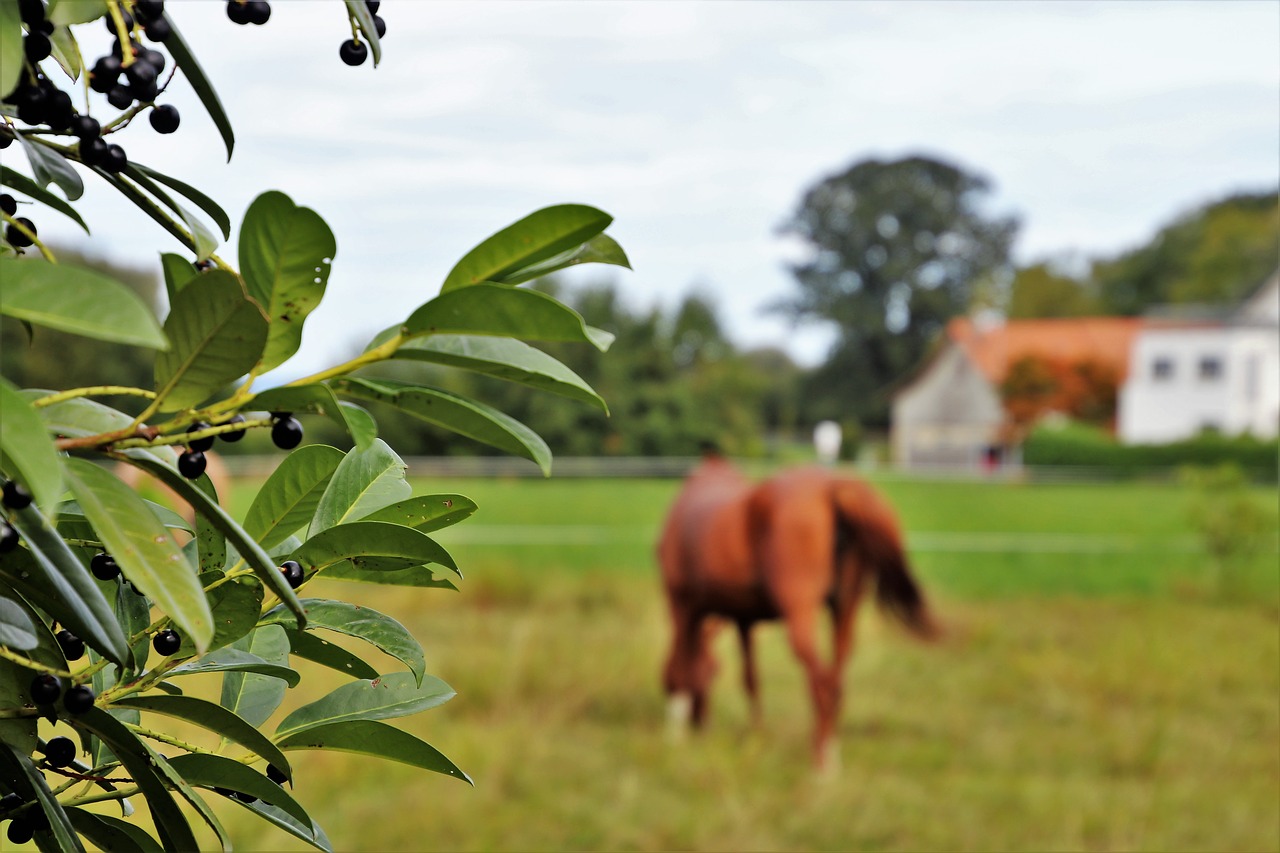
(122, 32)
(92, 391)
(24, 661)
(169, 739)
(30, 235)
(378, 353)
(119, 794)
(188, 437)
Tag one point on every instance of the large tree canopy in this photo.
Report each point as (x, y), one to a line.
(896, 249)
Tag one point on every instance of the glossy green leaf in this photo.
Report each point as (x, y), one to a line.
(26, 186)
(600, 249)
(213, 717)
(238, 660)
(147, 554)
(31, 785)
(148, 205)
(386, 697)
(77, 300)
(366, 480)
(170, 823)
(505, 358)
(318, 399)
(258, 559)
(12, 59)
(288, 499)
(64, 587)
(178, 273)
(368, 31)
(66, 52)
(195, 75)
(27, 447)
(15, 682)
(366, 737)
(371, 545)
(50, 167)
(133, 612)
(215, 335)
(455, 413)
(255, 697)
(419, 577)
(539, 236)
(363, 623)
(285, 256)
(67, 12)
(204, 240)
(426, 513)
(500, 311)
(211, 546)
(80, 417)
(71, 511)
(174, 779)
(110, 834)
(235, 605)
(312, 834)
(16, 628)
(199, 199)
(321, 651)
(210, 771)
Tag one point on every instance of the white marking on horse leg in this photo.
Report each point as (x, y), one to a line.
(679, 712)
(829, 758)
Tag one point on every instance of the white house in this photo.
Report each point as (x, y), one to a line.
(1189, 375)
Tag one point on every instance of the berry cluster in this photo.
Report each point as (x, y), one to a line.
(354, 52)
(256, 12)
(45, 690)
(17, 237)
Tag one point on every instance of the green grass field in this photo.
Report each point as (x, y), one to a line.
(1097, 691)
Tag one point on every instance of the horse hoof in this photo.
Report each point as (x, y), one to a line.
(679, 714)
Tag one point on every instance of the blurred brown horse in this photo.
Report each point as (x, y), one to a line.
(801, 542)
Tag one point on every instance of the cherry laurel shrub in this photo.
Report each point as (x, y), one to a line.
(113, 609)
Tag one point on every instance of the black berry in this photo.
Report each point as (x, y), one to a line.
(238, 12)
(115, 160)
(259, 11)
(14, 495)
(8, 204)
(45, 689)
(37, 46)
(9, 802)
(85, 127)
(103, 566)
(78, 699)
(286, 432)
(149, 10)
(60, 751)
(165, 119)
(166, 642)
(31, 11)
(380, 25)
(106, 71)
(238, 434)
(353, 52)
(8, 537)
(158, 30)
(192, 464)
(275, 774)
(292, 573)
(200, 444)
(152, 57)
(373, 6)
(94, 151)
(20, 831)
(120, 97)
(140, 73)
(71, 645)
(110, 23)
(19, 240)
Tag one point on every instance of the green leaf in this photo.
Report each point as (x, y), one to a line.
(258, 559)
(211, 546)
(145, 550)
(67, 12)
(505, 358)
(133, 612)
(539, 236)
(202, 201)
(419, 577)
(80, 417)
(63, 586)
(195, 75)
(455, 413)
(137, 759)
(204, 241)
(210, 771)
(365, 481)
(178, 273)
(12, 58)
(366, 737)
(289, 497)
(27, 447)
(215, 335)
(237, 660)
(175, 781)
(371, 545)
(213, 717)
(235, 605)
(601, 249)
(285, 255)
(26, 186)
(353, 620)
(32, 785)
(318, 399)
(358, 10)
(394, 695)
(112, 835)
(312, 834)
(66, 52)
(77, 300)
(500, 311)
(50, 167)
(256, 697)
(71, 511)
(17, 631)
(313, 648)
(149, 206)
(426, 513)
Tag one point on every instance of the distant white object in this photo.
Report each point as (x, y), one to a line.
(826, 441)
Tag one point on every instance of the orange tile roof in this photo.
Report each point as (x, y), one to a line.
(1103, 339)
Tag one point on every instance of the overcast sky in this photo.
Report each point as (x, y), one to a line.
(699, 124)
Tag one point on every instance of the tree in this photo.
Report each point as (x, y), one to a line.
(1040, 291)
(896, 249)
(112, 608)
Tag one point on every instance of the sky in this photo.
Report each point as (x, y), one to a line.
(698, 125)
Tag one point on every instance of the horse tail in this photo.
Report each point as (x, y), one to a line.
(873, 533)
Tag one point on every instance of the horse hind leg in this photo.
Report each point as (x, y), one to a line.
(750, 675)
(823, 685)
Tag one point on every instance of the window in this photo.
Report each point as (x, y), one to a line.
(1210, 367)
(1162, 368)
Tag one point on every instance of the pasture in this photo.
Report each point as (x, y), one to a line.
(1097, 691)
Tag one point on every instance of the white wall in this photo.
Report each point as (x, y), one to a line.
(948, 415)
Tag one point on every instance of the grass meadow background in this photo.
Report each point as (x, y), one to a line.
(1097, 690)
